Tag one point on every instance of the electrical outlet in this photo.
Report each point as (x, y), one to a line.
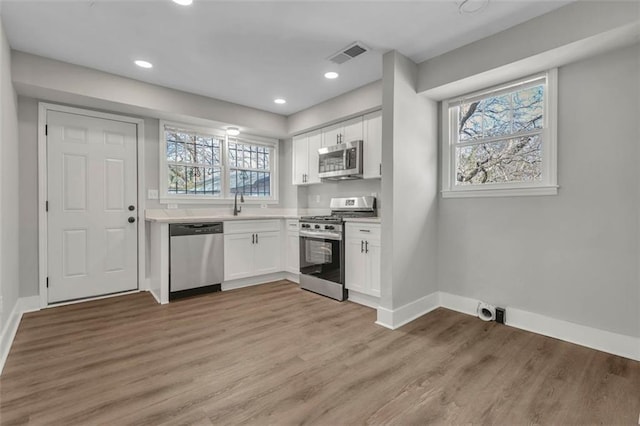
(172, 206)
(263, 206)
(501, 315)
(317, 199)
(152, 194)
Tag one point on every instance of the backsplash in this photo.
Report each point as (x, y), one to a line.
(319, 196)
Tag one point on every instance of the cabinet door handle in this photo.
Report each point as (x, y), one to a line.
(361, 246)
(256, 238)
(366, 246)
(253, 238)
(380, 169)
(365, 230)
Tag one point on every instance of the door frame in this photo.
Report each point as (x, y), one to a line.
(43, 109)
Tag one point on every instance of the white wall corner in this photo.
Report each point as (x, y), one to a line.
(29, 304)
(22, 305)
(405, 314)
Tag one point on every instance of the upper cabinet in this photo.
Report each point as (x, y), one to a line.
(345, 131)
(367, 128)
(305, 158)
(372, 147)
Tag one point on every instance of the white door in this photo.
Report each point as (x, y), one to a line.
(353, 130)
(372, 267)
(355, 265)
(315, 143)
(300, 150)
(267, 253)
(331, 135)
(238, 256)
(91, 194)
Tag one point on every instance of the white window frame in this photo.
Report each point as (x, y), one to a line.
(548, 184)
(226, 196)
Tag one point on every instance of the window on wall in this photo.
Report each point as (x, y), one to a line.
(501, 141)
(249, 169)
(205, 165)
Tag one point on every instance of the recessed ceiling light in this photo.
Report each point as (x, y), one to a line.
(233, 131)
(183, 2)
(331, 75)
(280, 101)
(143, 64)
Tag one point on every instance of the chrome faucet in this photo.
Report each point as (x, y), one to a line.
(237, 209)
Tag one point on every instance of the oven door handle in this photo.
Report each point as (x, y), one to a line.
(321, 235)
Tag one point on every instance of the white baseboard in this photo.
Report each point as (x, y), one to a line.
(22, 305)
(247, 282)
(457, 303)
(602, 340)
(364, 299)
(292, 277)
(398, 317)
(155, 295)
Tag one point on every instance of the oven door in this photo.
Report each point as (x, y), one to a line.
(322, 258)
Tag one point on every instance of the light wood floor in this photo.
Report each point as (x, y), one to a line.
(275, 354)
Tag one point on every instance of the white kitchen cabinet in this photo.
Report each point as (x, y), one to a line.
(345, 131)
(305, 158)
(362, 258)
(292, 247)
(372, 146)
(266, 253)
(251, 248)
(300, 159)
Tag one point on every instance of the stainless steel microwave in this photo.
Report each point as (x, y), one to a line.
(340, 161)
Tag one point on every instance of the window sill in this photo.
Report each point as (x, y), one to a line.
(185, 200)
(502, 192)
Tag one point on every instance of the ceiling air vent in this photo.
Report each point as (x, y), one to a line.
(348, 52)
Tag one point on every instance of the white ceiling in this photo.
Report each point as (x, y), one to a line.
(250, 52)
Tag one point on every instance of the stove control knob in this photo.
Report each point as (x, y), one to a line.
(330, 227)
(317, 226)
(306, 225)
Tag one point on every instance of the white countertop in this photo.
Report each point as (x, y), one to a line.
(363, 219)
(198, 215)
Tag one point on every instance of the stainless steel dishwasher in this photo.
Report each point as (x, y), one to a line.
(196, 252)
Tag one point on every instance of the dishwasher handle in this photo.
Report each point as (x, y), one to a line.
(184, 229)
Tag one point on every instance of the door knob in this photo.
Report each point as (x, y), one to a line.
(132, 208)
(131, 219)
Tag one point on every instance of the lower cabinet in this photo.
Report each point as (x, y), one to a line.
(362, 258)
(292, 247)
(252, 253)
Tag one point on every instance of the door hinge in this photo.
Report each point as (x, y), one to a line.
(47, 282)
(46, 130)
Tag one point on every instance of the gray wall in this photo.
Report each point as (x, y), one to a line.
(28, 178)
(573, 256)
(9, 189)
(409, 234)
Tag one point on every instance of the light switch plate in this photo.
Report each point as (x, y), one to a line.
(152, 194)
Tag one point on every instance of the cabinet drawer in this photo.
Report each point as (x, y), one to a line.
(369, 231)
(248, 226)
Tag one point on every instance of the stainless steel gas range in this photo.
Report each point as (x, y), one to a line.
(322, 246)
